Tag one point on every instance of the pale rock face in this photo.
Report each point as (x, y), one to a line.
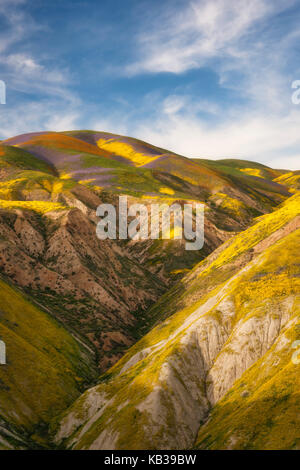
(105, 441)
(249, 341)
(93, 402)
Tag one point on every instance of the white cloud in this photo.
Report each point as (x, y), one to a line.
(109, 124)
(22, 71)
(203, 30)
(273, 140)
(174, 103)
(25, 74)
(57, 108)
(237, 41)
(19, 24)
(37, 116)
(60, 121)
(22, 63)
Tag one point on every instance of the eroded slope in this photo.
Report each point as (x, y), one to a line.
(237, 310)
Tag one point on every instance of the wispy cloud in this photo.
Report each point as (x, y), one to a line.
(201, 31)
(252, 54)
(53, 106)
(273, 140)
(241, 41)
(18, 24)
(20, 69)
(36, 116)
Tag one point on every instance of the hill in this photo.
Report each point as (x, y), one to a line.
(160, 325)
(46, 370)
(217, 372)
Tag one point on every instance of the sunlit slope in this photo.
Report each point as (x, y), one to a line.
(86, 162)
(165, 166)
(226, 260)
(25, 177)
(183, 174)
(290, 179)
(64, 144)
(237, 312)
(250, 168)
(45, 371)
(253, 178)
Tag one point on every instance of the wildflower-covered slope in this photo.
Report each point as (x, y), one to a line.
(46, 369)
(50, 186)
(218, 372)
(104, 296)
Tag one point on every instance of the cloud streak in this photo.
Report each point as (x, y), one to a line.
(201, 31)
(242, 43)
(273, 140)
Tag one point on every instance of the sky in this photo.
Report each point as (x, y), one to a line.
(203, 78)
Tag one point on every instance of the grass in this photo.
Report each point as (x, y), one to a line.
(45, 366)
(291, 179)
(269, 283)
(41, 207)
(19, 158)
(264, 227)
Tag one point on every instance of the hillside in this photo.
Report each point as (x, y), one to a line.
(173, 334)
(203, 376)
(51, 185)
(46, 370)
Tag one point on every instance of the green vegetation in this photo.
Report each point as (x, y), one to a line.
(40, 207)
(102, 299)
(267, 284)
(291, 179)
(19, 158)
(45, 365)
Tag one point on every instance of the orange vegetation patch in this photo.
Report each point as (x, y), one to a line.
(60, 141)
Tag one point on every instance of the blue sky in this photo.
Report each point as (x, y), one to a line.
(207, 78)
